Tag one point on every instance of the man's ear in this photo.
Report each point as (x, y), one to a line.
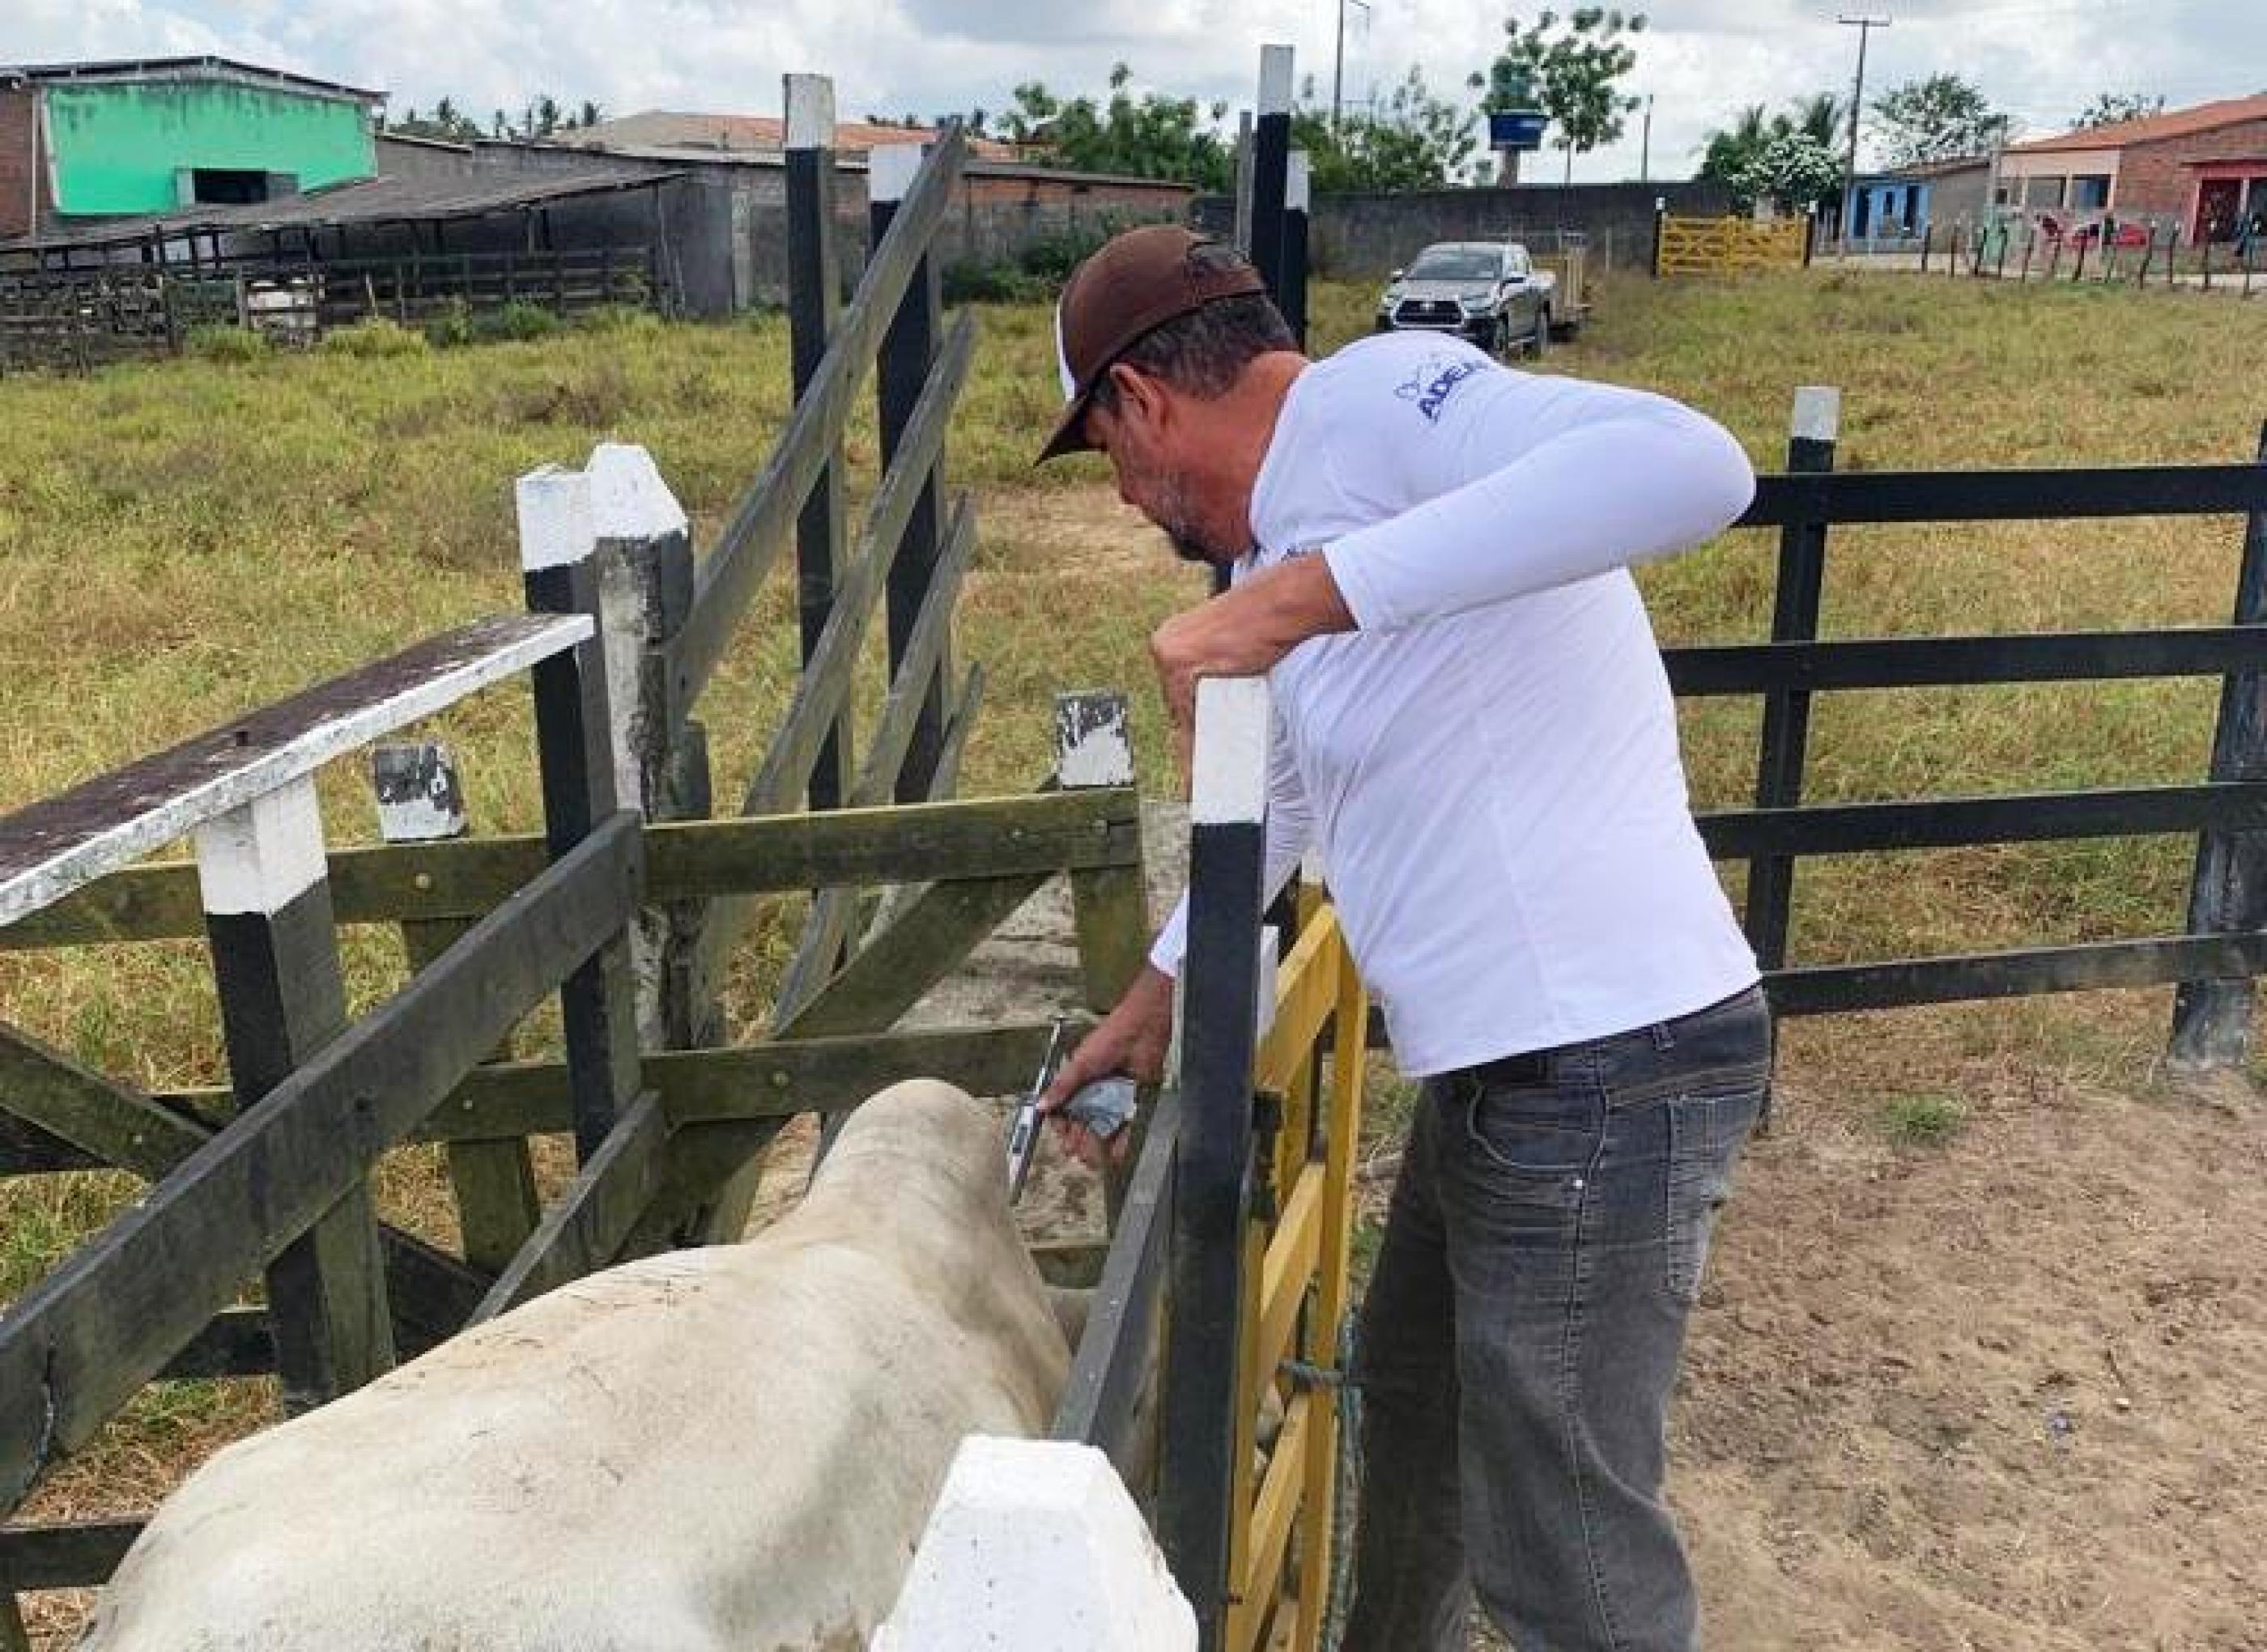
(1140, 398)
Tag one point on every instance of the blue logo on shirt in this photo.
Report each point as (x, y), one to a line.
(1430, 385)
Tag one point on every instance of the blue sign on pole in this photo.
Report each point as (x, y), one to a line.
(1516, 129)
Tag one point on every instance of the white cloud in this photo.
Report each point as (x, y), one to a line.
(1701, 59)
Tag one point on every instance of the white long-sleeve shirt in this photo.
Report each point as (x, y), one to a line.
(1489, 762)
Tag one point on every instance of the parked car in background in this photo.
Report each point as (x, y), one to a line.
(1487, 291)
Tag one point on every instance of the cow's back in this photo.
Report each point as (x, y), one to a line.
(727, 1447)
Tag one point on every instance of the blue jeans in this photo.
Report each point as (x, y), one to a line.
(1522, 1334)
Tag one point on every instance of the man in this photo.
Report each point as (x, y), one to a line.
(1472, 723)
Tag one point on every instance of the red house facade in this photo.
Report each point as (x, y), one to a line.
(2204, 168)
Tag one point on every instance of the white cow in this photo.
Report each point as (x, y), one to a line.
(734, 1447)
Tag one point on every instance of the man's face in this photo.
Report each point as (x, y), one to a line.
(1141, 438)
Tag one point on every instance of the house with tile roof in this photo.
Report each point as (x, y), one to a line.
(761, 134)
(2204, 168)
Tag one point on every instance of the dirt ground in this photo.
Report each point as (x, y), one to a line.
(2006, 1390)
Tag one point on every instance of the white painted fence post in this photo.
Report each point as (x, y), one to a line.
(1035, 1546)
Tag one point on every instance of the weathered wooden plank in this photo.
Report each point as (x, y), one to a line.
(1094, 747)
(66, 1554)
(768, 1079)
(1205, 1379)
(421, 800)
(1306, 992)
(108, 1122)
(926, 943)
(574, 739)
(1272, 1515)
(814, 299)
(913, 685)
(1341, 1138)
(431, 1292)
(823, 688)
(63, 842)
(685, 860)
(236, 1342)
(2040, 495)
(1292, 1252)
(79, 1344)
(26, 1150)
(494, 1179)
(2212, 1019)
(902, 368)
(1109, 1366)
(283, 999)
(588, 1226)
(752, 539)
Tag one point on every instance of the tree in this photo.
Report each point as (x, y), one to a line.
(1569, 69)
(2108, 108)
(447, 122)
(1823, 115)
(1942, 118)
(1734, 154)
(1152, 135)
(1793, 169)
(1416, 141)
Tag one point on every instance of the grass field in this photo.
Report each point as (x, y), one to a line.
(181, 541)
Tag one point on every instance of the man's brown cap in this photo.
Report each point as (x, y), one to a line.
(1133, 284)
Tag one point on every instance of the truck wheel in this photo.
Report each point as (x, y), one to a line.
(1541, 343)
(1499, 339)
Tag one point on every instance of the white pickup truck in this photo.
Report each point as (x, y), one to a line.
(1489, 291)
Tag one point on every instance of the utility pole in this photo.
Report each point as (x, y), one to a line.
(1338, 63)
(1644, 145)
(1864, 27)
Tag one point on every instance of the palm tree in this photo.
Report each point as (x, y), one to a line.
(1823, 115)
(1726, 152)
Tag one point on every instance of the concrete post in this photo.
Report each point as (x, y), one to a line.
(1035, 1546)
(660, 757)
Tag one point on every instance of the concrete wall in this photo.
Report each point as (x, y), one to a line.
(2041, 181)
(1367, 236)
(726, 219)
(119, 146)
(1959, 197)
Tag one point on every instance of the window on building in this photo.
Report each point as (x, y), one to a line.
(2089, 194)
(219, 186)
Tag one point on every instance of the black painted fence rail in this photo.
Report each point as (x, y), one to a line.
(2049, 494)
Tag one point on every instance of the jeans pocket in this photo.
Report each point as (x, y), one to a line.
(1541, 1130)
(1708, 1128)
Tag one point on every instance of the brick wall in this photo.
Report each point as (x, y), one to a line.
(20, 185)
(2152, 180)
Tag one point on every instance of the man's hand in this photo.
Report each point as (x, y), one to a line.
(1243, 633)
(1131, 1040)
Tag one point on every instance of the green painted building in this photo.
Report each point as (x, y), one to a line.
(81, 140)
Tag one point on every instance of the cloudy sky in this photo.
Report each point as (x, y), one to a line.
(1699, 60)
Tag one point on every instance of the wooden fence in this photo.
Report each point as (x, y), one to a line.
(2224, 945)
(85, 319)
(91, 318)
(1234, 1240)
(1728, 246)
(626, 908)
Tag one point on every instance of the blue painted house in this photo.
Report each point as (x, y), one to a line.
(1902, 205)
